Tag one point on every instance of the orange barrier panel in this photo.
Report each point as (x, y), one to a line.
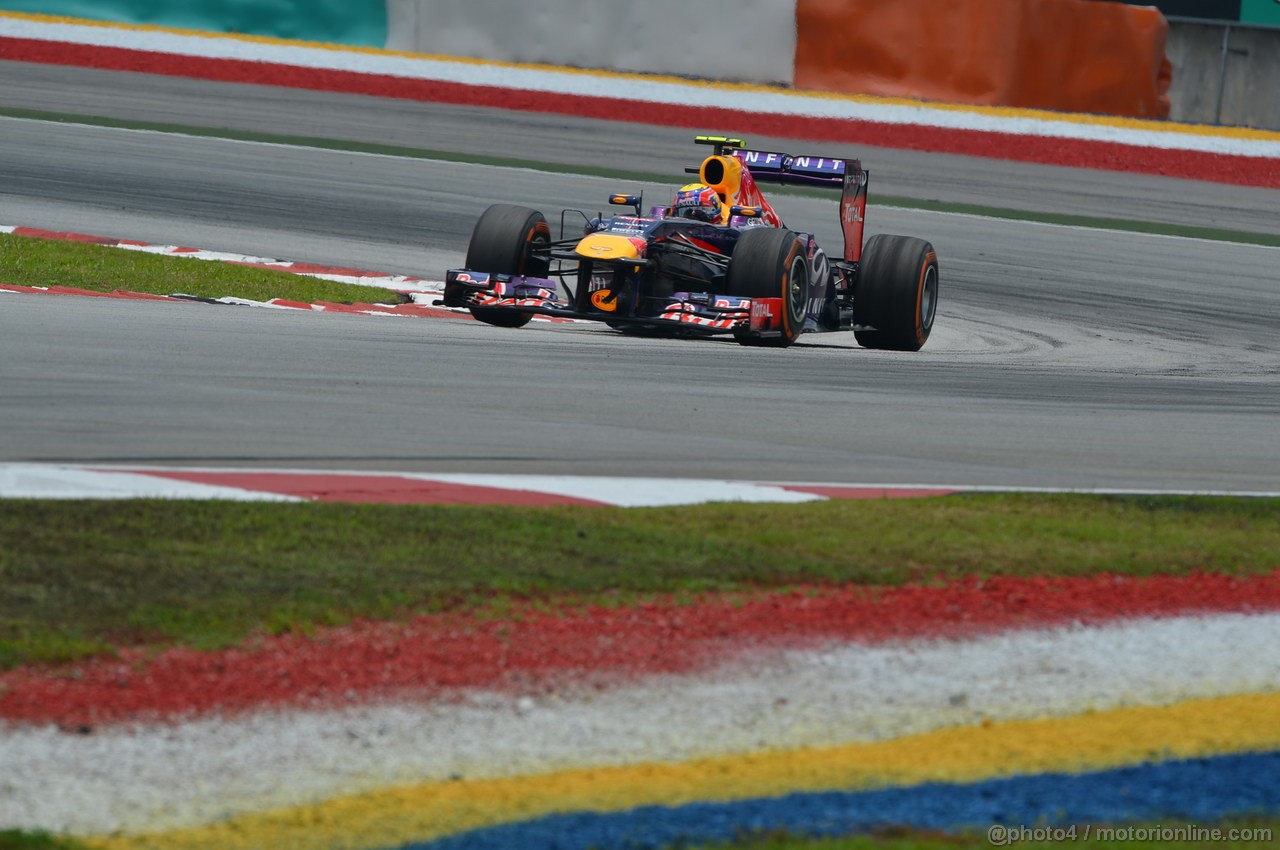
(1068, 55)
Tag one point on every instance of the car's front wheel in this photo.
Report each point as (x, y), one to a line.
(772, 263)
(505, 241)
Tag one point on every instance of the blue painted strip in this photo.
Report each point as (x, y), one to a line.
(1193, 791)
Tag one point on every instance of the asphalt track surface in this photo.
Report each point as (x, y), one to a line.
(1061, 357)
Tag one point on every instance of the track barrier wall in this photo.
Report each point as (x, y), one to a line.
(732, 40)
(1226, 74)
(1069, 55)
(1055, 54)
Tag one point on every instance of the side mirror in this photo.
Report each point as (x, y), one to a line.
(632, 201)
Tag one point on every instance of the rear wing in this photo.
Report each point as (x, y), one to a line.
(781, 168)
(785, 169)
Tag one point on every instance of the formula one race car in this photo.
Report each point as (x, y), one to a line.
(716, 260)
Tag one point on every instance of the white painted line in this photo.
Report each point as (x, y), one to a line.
(1085, 491)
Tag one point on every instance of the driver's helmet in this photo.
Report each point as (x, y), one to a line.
(697, 201)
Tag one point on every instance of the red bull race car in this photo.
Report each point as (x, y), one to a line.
(718, 259)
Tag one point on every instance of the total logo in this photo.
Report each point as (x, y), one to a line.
(761, 310)
(853, 214)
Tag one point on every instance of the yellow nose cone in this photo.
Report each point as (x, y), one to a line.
(608, 246)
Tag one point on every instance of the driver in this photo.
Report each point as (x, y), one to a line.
(699, 202)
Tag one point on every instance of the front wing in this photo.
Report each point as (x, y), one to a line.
(697, 312)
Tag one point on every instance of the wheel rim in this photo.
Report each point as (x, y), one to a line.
(929, 297)
(798, 286)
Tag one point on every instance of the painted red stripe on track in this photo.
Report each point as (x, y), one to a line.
(119, 293)
(869, 492)
(37, 233)
(1223, 168)
(387, 489)
(534, 648)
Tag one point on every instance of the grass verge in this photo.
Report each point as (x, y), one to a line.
(593, 170)
(84, 577)
(25, 261)
(17, 839)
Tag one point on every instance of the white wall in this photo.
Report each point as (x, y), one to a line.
(731, 40)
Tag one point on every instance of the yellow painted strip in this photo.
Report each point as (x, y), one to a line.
(991, 111)
(1094, 741)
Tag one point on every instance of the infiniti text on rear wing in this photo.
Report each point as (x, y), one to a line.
(847, 174)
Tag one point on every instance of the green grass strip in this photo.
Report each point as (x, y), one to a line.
(590, 170)
(17, 839)
(25, 261)
(82, 577)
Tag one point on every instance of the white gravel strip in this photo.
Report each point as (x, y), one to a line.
(158, 776)
(632, 492)
(568, 81)
(50, 481)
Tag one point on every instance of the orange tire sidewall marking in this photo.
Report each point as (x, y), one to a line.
(540, 227)
(787, 327)
(930, 259)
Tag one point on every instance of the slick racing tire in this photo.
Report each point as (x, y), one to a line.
(772, 263)
(502, 243)
(897, 293)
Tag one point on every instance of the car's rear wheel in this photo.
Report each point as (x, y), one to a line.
(503, 242)
(897, 293)
(772, 263)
